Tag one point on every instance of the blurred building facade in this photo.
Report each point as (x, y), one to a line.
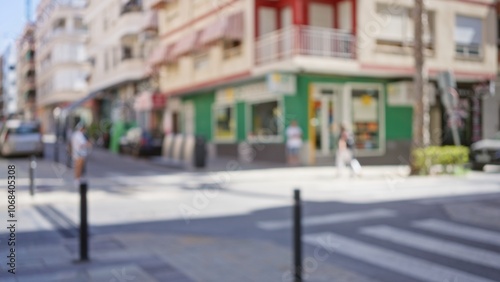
(117, 47)
(61, 65)
(9, 80)
(26, 72)
(238, 71)
(491, 104)
(1, 87)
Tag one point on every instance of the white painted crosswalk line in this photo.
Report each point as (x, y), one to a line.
(459, 231)
(396, 262)
(433, 245)
(328, 219)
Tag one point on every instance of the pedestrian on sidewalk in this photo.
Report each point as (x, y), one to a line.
(80, 146)
(293, 143)
(345, 152)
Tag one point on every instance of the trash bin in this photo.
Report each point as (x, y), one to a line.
(200, 152)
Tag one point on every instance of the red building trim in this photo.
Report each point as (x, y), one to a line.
(411, 71)
(211, 83)
(197, 19)
(402, 70)
(477, 2)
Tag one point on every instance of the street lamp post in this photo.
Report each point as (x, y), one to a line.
(57, 114)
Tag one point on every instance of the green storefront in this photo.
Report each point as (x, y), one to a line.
(255, 115)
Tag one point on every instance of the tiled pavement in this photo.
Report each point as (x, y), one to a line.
(146, 257)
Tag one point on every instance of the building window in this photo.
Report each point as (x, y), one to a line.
(59, 25)
(79, 25)
(396, 26)
(366, 118)
(127, 52)
(232, 48)
(172, 69)
(225, 127)
(468, 36)
(201, 60)
(265, 118)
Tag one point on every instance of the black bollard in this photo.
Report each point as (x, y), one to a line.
(297, 236)
(32, 174)
(56, 143)
(84, 246)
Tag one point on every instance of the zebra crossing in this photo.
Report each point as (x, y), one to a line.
(428, 249)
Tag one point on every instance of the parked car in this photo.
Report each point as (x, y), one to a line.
(485, 152)
(21, 138)
(138, 142)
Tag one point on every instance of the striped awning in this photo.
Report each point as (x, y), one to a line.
(162, 54)
(151, 22)
(157, 4)
(185, 45)
(230, 27)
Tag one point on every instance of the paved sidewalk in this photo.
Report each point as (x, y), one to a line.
(147, 257)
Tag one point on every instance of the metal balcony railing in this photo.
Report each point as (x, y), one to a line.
(468, 51)
(306, 41)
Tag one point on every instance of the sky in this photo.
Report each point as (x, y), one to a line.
(12, 19)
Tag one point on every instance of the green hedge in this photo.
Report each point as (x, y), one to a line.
(425, 158)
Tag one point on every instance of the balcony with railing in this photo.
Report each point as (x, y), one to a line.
(131, 6)
(311, 41)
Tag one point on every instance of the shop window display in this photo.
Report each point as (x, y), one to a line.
(265, 119)
(366, 116)
(225, 123)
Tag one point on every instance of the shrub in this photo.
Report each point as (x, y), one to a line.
(425, 158)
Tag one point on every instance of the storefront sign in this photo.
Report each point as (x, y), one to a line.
(225, 96)
(159, 101)
(143, 102)
(400, 93)
(280, 83)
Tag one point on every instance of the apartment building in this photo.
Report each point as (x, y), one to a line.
(119, 38)
(238, 71)
(26, 90)
(1, 87)
(491, 103)
(61, 65)
(9, 80)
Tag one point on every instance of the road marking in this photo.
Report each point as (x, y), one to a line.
(400, 263)
(457, 199)
(459, 230)
(328, 219)
(433, 245)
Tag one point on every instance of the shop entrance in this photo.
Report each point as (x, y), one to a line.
(326, 120)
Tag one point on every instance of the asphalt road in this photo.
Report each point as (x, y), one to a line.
(236, 225)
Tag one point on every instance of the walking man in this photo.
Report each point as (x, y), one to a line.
(293, 143)
(80, 146)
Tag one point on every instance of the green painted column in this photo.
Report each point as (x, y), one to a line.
(241, 132)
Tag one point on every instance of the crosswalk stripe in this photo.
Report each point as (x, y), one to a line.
(459, 230)
(399, 263)
(328, 219)
(433, 245)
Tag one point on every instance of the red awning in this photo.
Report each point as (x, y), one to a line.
(157, 4)
(156, 56)
(151, 22)
(161, 55)
(185, 45)
(230, 27)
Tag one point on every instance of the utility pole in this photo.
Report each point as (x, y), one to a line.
(421, 106)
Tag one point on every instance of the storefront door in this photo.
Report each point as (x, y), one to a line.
(327, 111)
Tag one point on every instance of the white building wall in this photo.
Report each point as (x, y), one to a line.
(10, 80)
(372, 24)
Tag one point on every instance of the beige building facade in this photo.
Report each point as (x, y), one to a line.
(121, 34)
(26, 72)
(238, 71)
(61, 57)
